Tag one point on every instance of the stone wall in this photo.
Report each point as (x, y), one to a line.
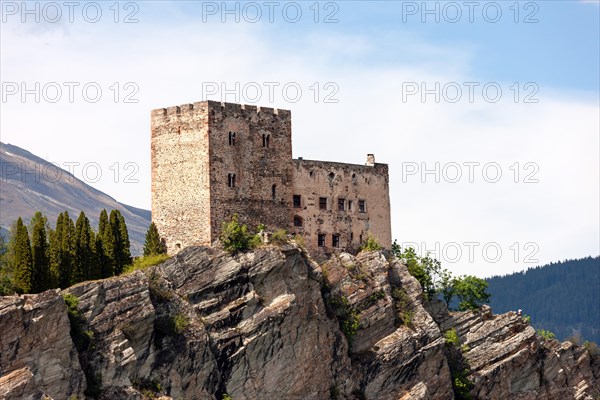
(344, 186)
(259, 156)
(180, 175)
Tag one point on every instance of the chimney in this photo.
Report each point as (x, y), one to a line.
(370, 160)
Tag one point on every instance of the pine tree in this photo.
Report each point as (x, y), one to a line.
(23, 259)
(40, 254)
(154, 244)
(102, 268)
(83, 256)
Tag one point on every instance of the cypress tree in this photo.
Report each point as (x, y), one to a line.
(23, 259)
(40, 254)
(126, 244)
(154, 244)
(102, 222)
(111, 250)
(102, 267)
(118, 244)
(55, 237)
(83, 253)
(66, 250)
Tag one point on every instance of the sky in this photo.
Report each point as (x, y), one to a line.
(486, 112)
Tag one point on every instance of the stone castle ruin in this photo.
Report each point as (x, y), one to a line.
(211, 160)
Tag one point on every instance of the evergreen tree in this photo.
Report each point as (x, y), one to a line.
(55, 238)
(103, 223)
(40, 254)
(102, 266)
(111, 250)
(64, 242)
(154, 244)
(126, 244)
(117, 242)
(83, 250)
(23, 259)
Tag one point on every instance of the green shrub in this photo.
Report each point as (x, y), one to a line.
(235, 237)
(347, 316)
(526, 319)
(547, 335)
(592, 348)
(180, 322)
(226, 397)
(141, 263)
(279, 237)
(370, 244)
(451, 337)
(373, 298)
(72, 303)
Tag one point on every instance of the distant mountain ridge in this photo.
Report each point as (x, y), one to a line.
(29, 183)
(562, 297)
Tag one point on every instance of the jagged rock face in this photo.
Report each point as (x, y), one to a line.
(272, 324)
(392, 358)
(507, 360)
(37, 355)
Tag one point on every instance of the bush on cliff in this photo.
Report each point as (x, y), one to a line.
(235, 236)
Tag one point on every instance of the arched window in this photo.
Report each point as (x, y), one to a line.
(298, 221)
(231, 180)
(266, 140)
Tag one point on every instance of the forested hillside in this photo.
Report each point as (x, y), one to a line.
(562, 297)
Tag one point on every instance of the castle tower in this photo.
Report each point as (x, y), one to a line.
(211, 160)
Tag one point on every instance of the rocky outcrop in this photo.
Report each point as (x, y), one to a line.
(507, 360)
(37, 355)
(272, 324)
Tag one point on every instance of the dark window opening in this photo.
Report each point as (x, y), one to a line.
(331, 175)
(297, 201)
(274, 191)
(312, 174)
(266, 140)
(322, 203)
(321, 240)
(350, 205)
(232, 138)
(351, 236)
(360, 239)
(231, 180)
(341, 204)
(298, 221)
(335, 240)
(177, 245)
(362, 206)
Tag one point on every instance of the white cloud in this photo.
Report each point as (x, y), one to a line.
(559, 134)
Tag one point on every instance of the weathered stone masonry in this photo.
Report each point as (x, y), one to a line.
(211, 160)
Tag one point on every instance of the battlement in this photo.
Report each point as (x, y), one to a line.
(222, 107)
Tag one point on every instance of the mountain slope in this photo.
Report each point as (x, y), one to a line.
(560, 297)
(30, 183)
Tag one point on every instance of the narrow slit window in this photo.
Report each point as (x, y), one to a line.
(232, 138)
(231, 180)
(341, 204)
(350, 205)
(274, 192)
(266, 140)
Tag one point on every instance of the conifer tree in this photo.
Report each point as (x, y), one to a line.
(65, 243)
(55, 239)
(23, 259)
(126, 244)
(116, 246)
(102, 222)
(83, 256)
(154, 244)
(102, 268)
(40, 254)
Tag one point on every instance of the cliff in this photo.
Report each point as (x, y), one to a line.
(272, 324)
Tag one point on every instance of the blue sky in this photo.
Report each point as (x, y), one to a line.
(544, 207)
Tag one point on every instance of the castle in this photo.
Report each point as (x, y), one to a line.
(212, 159)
